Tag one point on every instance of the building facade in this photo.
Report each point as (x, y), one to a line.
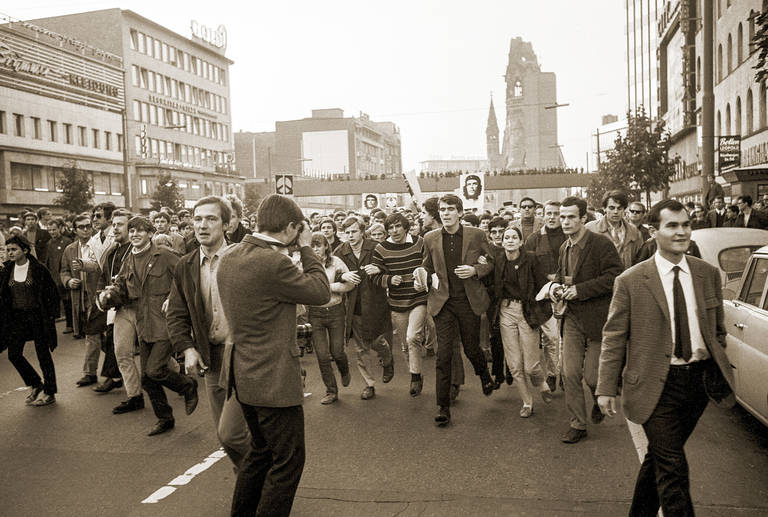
(642, 36)
(60, 108)
(530, 132)
(178, 109)
(253, 153)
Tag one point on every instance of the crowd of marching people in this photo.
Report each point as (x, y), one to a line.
(524, 293)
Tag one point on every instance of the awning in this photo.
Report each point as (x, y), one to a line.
(751, 173)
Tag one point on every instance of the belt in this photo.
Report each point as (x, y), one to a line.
(509, 301)
(692, 366)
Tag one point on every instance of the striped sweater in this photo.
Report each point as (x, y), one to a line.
(400, 259)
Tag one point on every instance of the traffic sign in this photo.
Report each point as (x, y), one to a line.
(284, 184)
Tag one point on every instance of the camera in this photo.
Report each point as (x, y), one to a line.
(304, 331)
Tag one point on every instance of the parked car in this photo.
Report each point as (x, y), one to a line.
(729, 249)
(746, 320)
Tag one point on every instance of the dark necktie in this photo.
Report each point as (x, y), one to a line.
(682, 332)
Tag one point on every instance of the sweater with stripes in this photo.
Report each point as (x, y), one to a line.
(400, 259)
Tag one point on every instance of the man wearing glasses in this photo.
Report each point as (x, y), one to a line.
(103, 234)
(528, 223)
(625, 237)
(636, 216)
(747, 217)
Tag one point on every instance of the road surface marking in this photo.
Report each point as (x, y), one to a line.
(185, 478)
(23, 388)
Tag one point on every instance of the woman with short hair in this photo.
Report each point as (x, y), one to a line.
(29, 306)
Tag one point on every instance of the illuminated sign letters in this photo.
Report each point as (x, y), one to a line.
(217, 38)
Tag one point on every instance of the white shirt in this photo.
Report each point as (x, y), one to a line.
(97, 247)
(664, 267)
(218, 330)
(20, 272)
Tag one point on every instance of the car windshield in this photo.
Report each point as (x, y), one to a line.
(734, 260)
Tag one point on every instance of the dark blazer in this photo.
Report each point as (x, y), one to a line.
(259, 289)
(756, 220)
(474, 245)
(638, 332)
(53, 256)
(373, 298)
(649, 247)
(714, 221)
(153, 287)
(237, 234)
(531, 278)
(41, 243)
(47, 298)
(187, 325)
(598, 266)
(538, 243)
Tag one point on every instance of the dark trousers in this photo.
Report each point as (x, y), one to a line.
(27, 327)
(328, 340)
(663, 477)
(109, 367)
(497, 353)
(67, 312)
(456, 318)
(269, 475)
(155, 374)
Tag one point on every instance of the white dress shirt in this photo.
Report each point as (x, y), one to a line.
(218, 327)
(698, 347)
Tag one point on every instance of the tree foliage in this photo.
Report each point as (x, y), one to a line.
(254, 193)
(76, 189)
(167, 193)
(760, 41)
(638, 163)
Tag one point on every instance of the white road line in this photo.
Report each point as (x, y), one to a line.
(185, 478)
(23, 388)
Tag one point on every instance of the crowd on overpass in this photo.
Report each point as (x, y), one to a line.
(542, 297)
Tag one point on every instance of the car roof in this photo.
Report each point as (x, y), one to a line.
(712, 241)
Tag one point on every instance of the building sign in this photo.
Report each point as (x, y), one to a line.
(184, 108)
(729, 152)
(93, 85)
(284, 184)
(14, 61)
(217, 38)
(755, 155)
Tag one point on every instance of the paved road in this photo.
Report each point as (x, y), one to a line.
(381, 457)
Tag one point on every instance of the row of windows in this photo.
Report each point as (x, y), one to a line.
(164, 85)
(153, 47)
(723, 69)
(47, 179)
(181, 153)
(64, 132)
(164, 117)
(191, 189)
(748, 115)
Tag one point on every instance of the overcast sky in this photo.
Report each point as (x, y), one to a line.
(429, 66)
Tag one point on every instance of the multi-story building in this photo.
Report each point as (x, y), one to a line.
(642, 35)
(60, 108)
(329, 144)
(178, 109)
(253, 154)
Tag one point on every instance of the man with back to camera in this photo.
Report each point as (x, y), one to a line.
(259, 288)
(666, 323)
(197, 326)
(459, 298)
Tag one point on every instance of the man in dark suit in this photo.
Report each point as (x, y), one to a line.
(457, 299)
(747, 217)
(666, 323)
(716, 216)
(38, 237)
(259, 288)
(197, 326)
(588, 265)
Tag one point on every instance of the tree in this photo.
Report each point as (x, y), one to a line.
(639, 161)
(760, 42)
(76, 189)
(254, 193)
(167, 193)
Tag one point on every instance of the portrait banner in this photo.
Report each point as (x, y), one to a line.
(369, 201)
(472, 191)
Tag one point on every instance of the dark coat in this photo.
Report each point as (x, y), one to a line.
(547, 257)
(712, 218)
(83, 298)
(41, 243)
(55, 251)
(649, 247)
(531, 278)
(238, 234)
(598, 266)
(47, 298)
(259, 289)
(756, 220)
(187, 325)
(373, 298)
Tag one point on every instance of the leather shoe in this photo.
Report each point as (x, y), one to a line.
(108, 385)
(389, 372)
(488, 383)
(368, 393)
(508, 377)
(597, 415)
(443, 417)
(160, 427)
(329, 398)
(552, 383)
(574, 435)
(32, 397)
(346, 378)
(86, 380)
(416, 386)
(497, 382)
(546, 396)
(190, 397)
(132, 404)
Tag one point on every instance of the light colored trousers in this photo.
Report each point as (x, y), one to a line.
(581, 357)
(125, 334)
(92, 350)
(231, 427)
(521, 350)
(409, 326)
(367, 349)
(550, 351)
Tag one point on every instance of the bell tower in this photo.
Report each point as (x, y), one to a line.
(492, 139)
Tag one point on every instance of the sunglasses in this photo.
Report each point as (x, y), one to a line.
(636, 211)
(526, 206)
(83, 226)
